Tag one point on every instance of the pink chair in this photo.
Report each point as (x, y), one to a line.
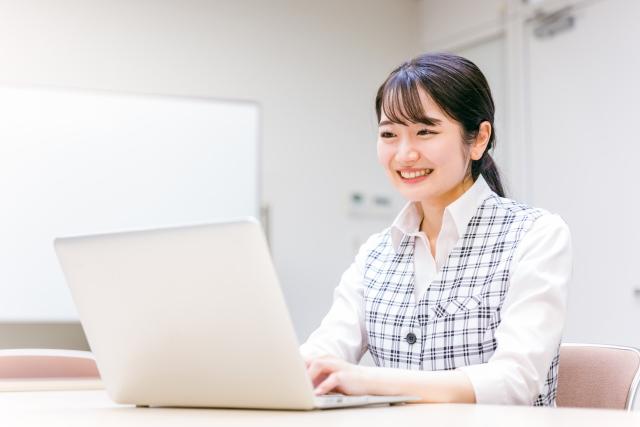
(598, 376)
(47, 364)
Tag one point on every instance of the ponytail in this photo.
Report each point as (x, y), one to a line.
(489, 171)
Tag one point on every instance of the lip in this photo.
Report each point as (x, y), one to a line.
(415, 180)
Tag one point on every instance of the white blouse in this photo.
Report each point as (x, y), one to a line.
(533, 313)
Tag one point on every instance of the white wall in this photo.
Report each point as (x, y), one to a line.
(313, 66)
(453, 23)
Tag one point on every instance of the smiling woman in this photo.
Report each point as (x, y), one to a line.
(463, 297)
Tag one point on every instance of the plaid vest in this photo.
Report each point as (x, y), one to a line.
(454, 322)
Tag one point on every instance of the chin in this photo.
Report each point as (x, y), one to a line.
(414, 196)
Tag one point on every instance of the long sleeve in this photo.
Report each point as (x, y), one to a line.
(342, 332)
(533, 317)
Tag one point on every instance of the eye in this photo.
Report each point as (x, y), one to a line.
(386, 134)
(423, 132)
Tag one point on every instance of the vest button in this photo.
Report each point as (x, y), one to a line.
(411, 338)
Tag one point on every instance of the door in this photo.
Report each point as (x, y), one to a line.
(584, 152)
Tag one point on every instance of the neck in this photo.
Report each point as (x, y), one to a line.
(433, 209)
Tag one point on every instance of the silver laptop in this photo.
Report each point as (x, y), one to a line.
(191, 316)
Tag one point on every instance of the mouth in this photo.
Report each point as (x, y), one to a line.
(411, 176)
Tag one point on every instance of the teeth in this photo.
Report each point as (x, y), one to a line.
(415, 174)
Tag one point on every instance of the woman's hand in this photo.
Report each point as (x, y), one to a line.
(329, 373)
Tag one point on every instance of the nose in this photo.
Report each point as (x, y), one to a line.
(406, 152)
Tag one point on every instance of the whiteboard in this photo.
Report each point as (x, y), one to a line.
(75, 162)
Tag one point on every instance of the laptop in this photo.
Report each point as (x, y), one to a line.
(191, 316)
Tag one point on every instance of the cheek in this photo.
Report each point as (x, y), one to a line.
(385, 153)
(448, 154)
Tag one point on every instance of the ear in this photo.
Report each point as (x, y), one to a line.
(482, 140)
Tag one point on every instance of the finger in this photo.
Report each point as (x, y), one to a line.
(328, 384)
(319, 367)
(308, 359)
(317, 380)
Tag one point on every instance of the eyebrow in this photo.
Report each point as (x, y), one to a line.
(429, 121)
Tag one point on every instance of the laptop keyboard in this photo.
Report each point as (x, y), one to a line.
(333, 397)
(337, 399)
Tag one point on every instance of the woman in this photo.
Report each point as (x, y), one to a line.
(463, 297)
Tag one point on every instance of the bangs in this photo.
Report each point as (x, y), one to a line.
(400, 99)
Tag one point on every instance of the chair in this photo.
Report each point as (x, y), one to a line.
(598, 376)
(44, 369)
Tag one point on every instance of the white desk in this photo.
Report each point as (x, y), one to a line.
(93, 408)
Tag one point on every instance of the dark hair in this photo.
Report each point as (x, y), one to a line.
(458, 87)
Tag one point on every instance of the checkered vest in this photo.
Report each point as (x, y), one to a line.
(454, 322)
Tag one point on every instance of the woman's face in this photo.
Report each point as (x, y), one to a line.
(426, 163)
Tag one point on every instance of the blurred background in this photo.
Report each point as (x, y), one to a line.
(268, 110)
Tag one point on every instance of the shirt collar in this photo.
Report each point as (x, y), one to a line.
(461, 211)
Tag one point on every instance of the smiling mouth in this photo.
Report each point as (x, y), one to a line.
(415, 173)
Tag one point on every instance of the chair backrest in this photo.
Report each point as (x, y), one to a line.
(598, 376)
(46, 364)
